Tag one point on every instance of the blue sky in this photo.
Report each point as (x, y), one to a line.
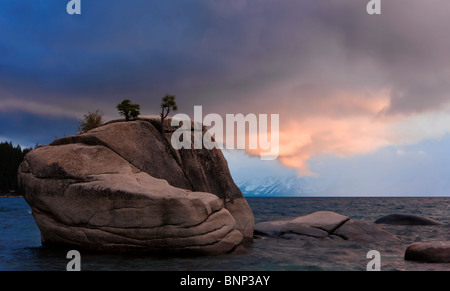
(363, 100)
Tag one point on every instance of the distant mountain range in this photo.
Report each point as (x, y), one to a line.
(340, 186)
(288, 186)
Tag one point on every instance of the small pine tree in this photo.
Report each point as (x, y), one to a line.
(129, 110)
(90, 121)
(168, 104)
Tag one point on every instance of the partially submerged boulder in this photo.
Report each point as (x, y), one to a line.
(429, 252)
(324, 224)
(358, 230)
(122, 187)
(325, 220)
(406, 219)
(270, 228)
(298, 229)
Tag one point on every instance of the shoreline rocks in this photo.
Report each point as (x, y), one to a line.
(324, 224)
(121, 188)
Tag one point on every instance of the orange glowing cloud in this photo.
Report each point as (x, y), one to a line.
(345, 136)
(349, 124)
(341, 124)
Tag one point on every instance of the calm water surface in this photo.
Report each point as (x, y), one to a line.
(21, 250)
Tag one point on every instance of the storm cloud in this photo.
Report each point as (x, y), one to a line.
(344, 82)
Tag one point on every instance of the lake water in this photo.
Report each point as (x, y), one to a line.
(21, 250)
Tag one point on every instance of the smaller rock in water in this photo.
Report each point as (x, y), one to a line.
(270, 228)
(296, 229)
(326, 220)
(324, 225)
(358, 230)
(406, 219)
(429, 252)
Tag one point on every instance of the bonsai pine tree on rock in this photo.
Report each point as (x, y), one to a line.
(168, 104)
(129, 110)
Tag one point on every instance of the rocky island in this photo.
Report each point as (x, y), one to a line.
(122, 187)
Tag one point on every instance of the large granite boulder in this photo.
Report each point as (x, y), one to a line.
(123, 187)
(429, 252)
(324, 224)
(406, 219)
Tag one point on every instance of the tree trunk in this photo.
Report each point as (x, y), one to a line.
(162, 126)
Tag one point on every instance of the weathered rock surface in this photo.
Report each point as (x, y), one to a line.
(324, 224)
(406, 219)
(299, 229)
(122, 187)
(142, 145)
(270, 228)
(326, 220)
(429, 252)
(359, 230)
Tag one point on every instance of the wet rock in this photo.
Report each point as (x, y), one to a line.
(358, 230)
(406, 219)
(429, 252)
(324, 224)
(325, 220)
(270, 228)
(298, 229)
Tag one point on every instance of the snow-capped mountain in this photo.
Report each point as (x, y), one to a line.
(288, 186)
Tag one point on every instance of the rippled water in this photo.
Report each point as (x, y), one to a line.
(20, 247)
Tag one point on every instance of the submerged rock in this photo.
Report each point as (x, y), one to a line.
(359, 230)
(297, 229)
(406, 219)
(270, 228)
(429, 252)
(122, 187)
(325, 220)
(324, 224)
